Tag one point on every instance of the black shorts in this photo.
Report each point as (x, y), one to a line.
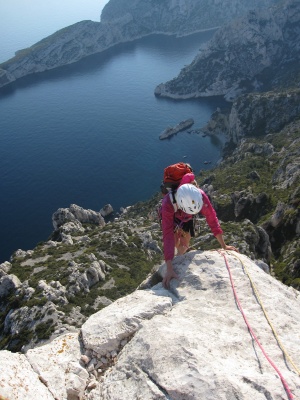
(187, 226)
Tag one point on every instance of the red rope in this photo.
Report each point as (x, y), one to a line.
(289, 393)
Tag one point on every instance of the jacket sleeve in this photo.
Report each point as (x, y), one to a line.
(168, 228)
(210, 214)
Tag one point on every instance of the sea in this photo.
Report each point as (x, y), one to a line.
(88, 133)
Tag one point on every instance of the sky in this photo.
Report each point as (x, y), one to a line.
(25, 22)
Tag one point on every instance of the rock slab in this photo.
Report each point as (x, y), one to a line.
(190, 342)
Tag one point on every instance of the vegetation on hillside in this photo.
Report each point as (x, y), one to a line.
(255, 191)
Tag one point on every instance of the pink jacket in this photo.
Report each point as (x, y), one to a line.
(168, 214)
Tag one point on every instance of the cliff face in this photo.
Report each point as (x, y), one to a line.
(259, 114)
(259, 181)
(122, 21)
(234, 60)
(189, 342)
(178, 16)
(63, 47)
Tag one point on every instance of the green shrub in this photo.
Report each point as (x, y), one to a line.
(44, 330)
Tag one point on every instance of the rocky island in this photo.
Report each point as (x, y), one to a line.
(170, 131)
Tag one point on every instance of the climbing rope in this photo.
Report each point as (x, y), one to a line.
(287, 389)
(288, 357)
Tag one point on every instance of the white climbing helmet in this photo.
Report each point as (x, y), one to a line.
(189, 198)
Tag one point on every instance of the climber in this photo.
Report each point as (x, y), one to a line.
(177, 214)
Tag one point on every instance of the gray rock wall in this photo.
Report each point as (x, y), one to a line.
(262, 113)
(234, 59)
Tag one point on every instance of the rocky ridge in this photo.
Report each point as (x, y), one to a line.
(259, 180)
(89, 263)
(122, 22)
(195, 330)
(249, 54)
(86, 264)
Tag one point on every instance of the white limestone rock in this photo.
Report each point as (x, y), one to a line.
(189, 342)
(101, 301)
(278, 214)
(7, 284)
(289, 169)
(261, 264)
(25, 291)
(202, 348)
(74, 217)
(61, 217)
(83, 281)
(5, 267)
(58, 364)
(83, 239)
(95, 273)
(104, 331)
(18, 381)
(149, 243)
(106, 210)
(86, 216)
(21, 254)
(66, 239)
(54, 291)
(71, 227)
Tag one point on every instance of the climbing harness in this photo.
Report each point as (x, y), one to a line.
(285, 385)
(180, 234)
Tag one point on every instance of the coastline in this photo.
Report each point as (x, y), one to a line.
(34, 59)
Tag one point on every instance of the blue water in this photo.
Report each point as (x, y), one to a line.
(88, 134)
